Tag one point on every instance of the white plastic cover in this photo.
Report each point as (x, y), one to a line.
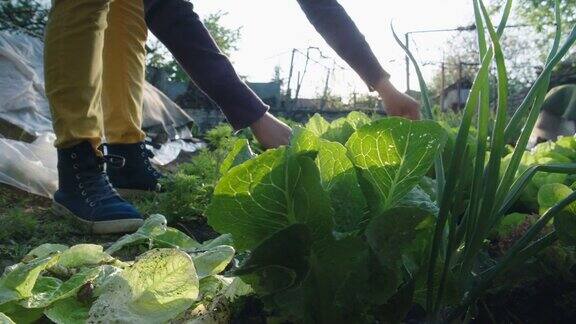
(23, 105)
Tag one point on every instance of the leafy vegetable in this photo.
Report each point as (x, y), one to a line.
(268, 193)
(159, 286)
(68, 311)
(393, 155)
(5, 319)
(240, 153)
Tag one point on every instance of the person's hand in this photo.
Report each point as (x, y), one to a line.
(396, 102)
(271, 132)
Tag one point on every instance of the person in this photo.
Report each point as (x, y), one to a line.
(179, 28)
(94, 76)
(94, 71)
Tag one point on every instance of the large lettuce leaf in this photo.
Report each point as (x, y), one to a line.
(268, 193)
(393, 155)
(338, 177)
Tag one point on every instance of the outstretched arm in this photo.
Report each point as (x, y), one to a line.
(341, 33)
(179, 28)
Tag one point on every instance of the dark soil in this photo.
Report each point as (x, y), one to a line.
(548, 300)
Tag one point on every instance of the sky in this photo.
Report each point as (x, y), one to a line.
(271, 28)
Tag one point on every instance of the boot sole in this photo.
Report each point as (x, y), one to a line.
(120, 226)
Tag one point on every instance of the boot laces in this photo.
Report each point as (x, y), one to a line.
(95, 185)
(147, 154)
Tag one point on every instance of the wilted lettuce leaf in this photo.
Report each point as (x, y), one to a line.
(68, 311)
(393, 154)
(159, 286)
(268, 193)
(43, 289)
(175, 239)
(240, 153)
(224, 239)
(18, 283)
(83, 255)
(213, 261)
(5, 319)
(45, 250)
(338, 177)
(155, 233)
(64, 290)
(153, 226)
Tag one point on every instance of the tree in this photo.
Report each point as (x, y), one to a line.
(27, 16)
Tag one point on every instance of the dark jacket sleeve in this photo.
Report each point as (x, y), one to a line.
(179, 28)
(337, 28)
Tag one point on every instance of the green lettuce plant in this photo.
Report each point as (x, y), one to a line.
(339, 228)
(86, 284)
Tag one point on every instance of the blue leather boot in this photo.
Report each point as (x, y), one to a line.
(85, 193)
(137, 176)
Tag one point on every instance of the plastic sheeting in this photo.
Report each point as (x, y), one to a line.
(25, 114)
(32, 166)
(23, 102)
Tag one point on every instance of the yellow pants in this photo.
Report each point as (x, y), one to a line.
(94, 67)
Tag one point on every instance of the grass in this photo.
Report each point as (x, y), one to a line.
(28, 221)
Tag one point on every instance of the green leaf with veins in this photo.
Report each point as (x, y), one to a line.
(358, 119)
(240, 153)
(338, 177)
(159, 286)
(268, 193)
(393, 154)
(68, 311)
(339, 131)
(317, 125)
(303, 142)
